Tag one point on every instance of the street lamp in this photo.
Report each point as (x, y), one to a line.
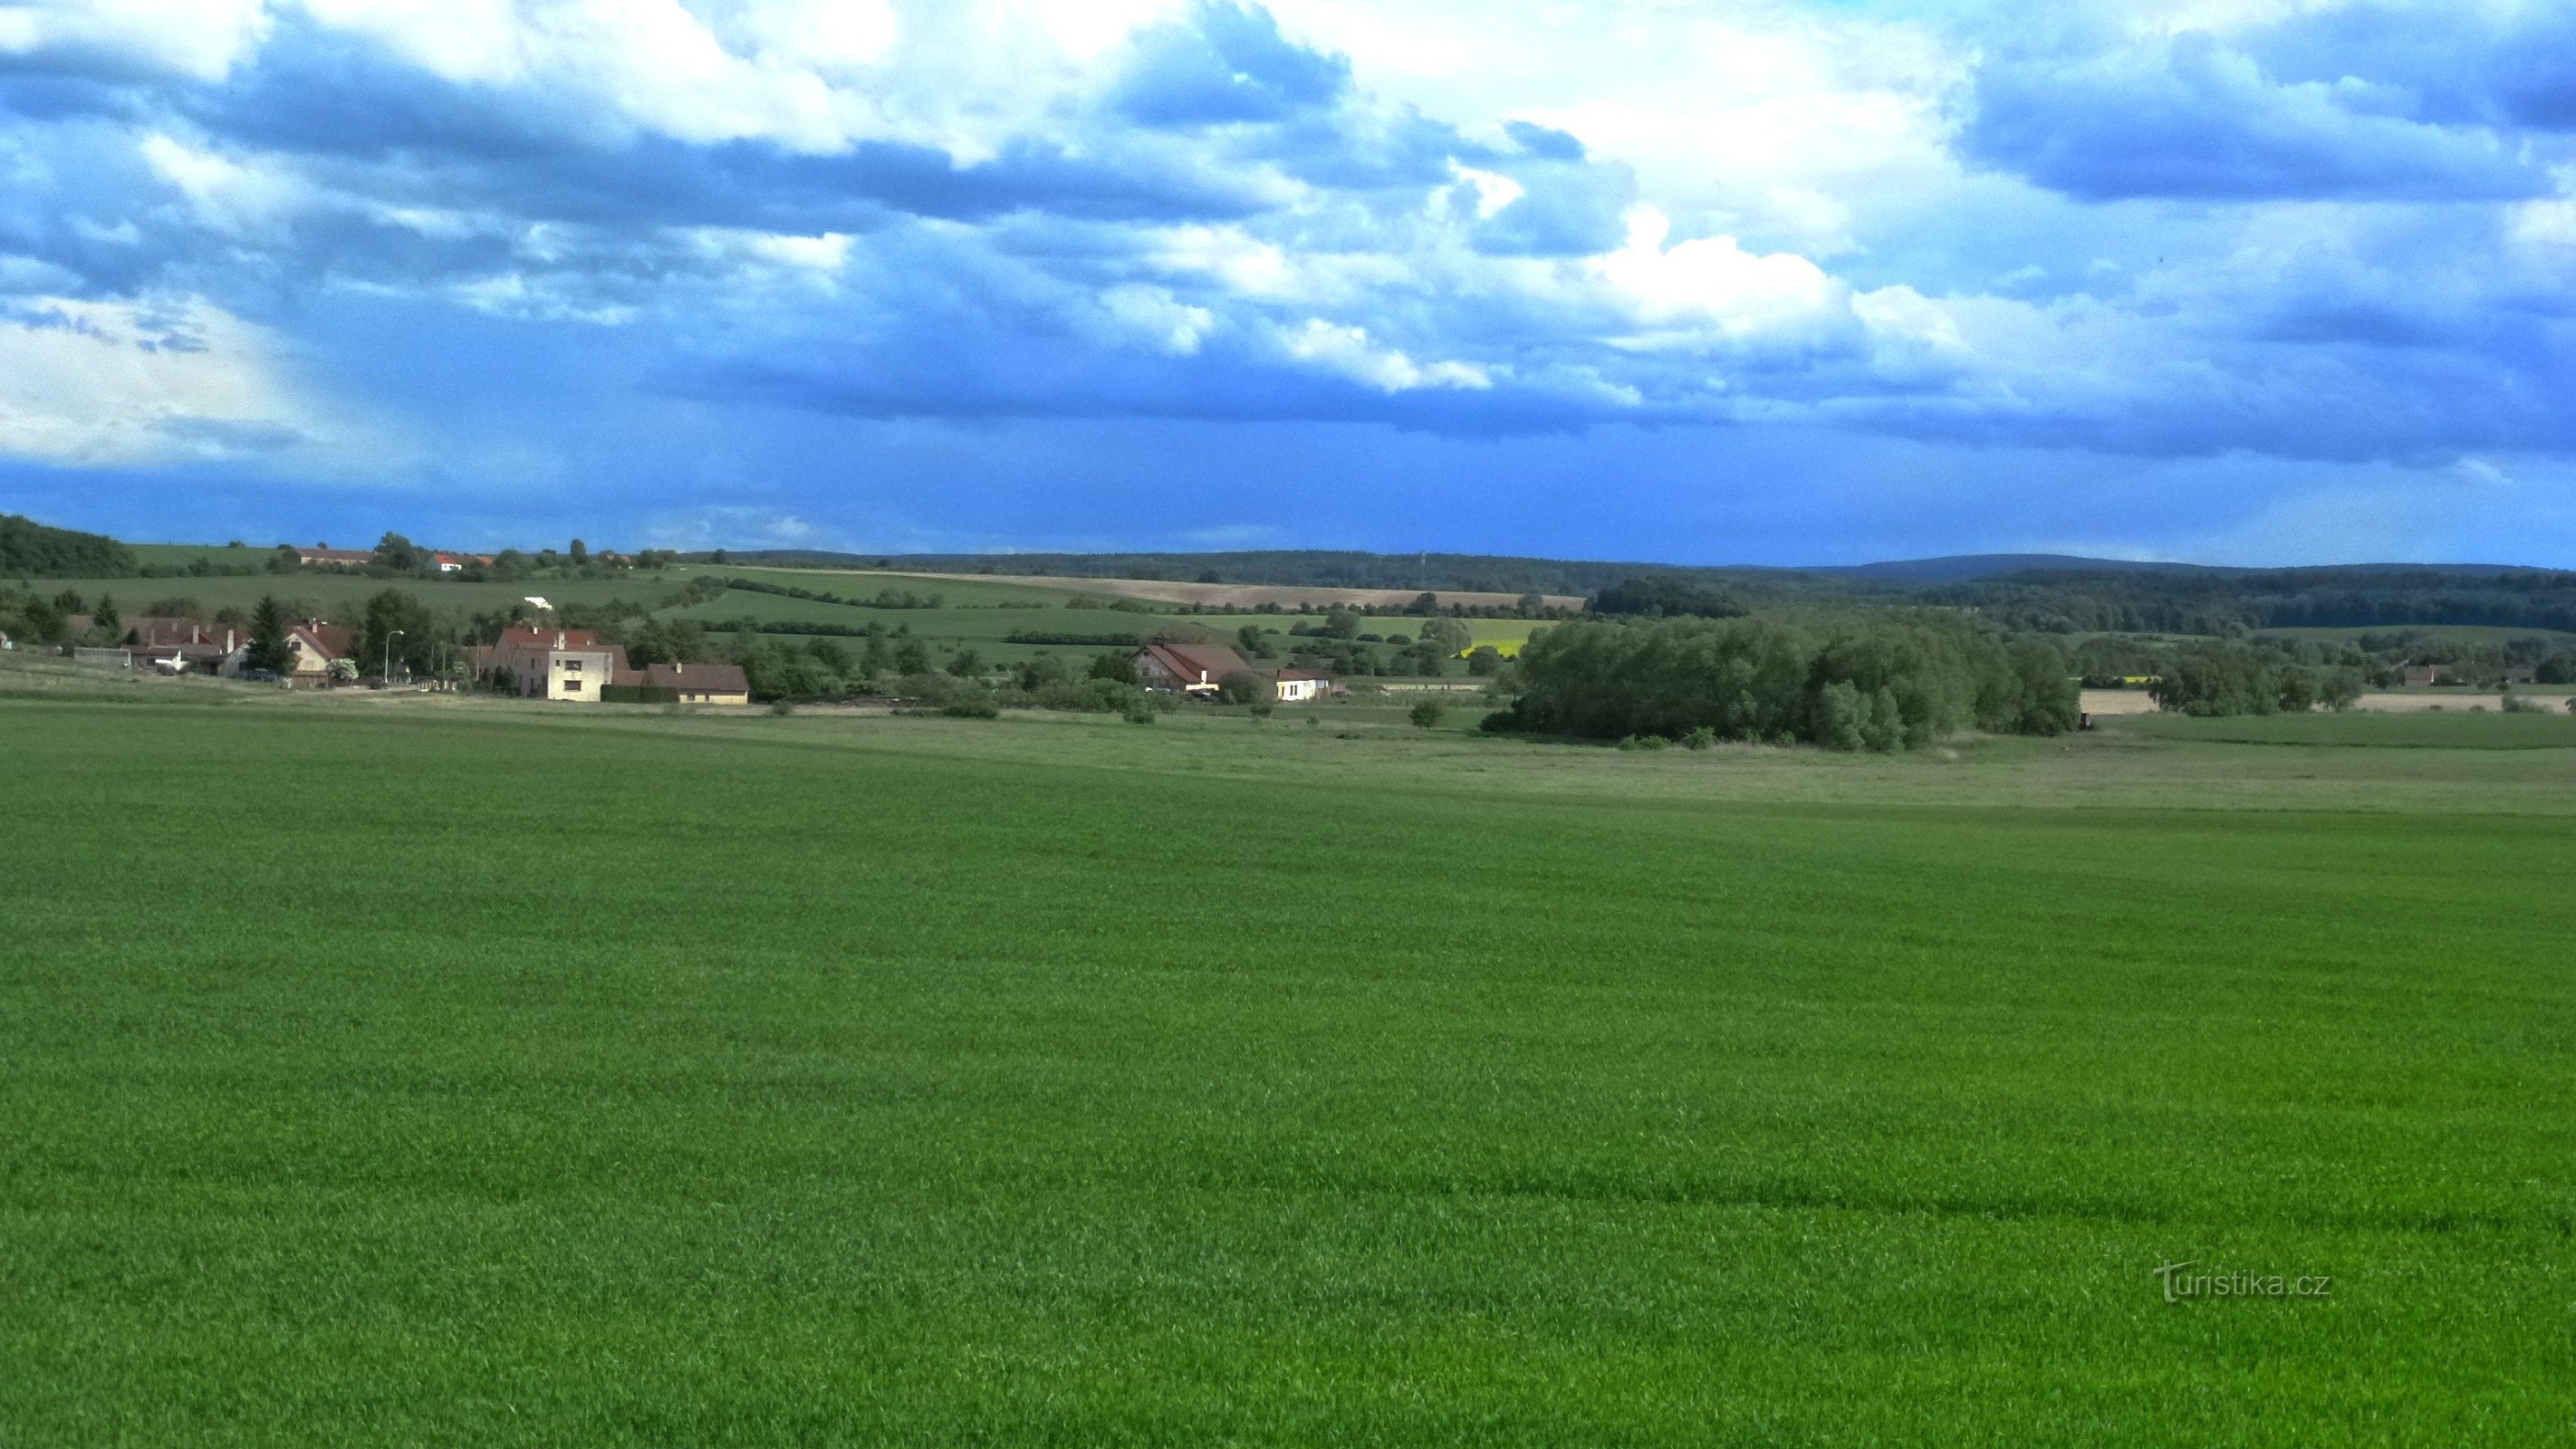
(389, 655)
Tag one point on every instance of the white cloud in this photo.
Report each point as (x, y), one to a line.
(1680, 293)
(199, 38)
(1347, 350)
(97, 383)
(232, 196)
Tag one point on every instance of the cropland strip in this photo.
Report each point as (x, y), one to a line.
(514, 1076)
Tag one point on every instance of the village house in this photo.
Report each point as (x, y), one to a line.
(699, 683)
(557, 663)
(2420, 676)
(338, 558)
(180, 646)
(1301, 686)
(1192, 669)
(314, 647)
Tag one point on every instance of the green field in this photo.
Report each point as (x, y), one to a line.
(2460, 633)
(341, 597)
(2450, 729)
(400, 1070)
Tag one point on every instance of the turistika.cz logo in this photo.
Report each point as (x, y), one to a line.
(2182, 1284)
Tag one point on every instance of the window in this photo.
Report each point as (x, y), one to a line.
(572, 666)
(572, 686)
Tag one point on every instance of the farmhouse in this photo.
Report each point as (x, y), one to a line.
(317, 646)
(1194, 669)
(338, 558)
(1299, 686)
(694, 683)
(2419, 676)
(557, 663)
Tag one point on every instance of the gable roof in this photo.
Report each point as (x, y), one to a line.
(1195, 663)
(698, 678)
(518, 637)
(331, 641)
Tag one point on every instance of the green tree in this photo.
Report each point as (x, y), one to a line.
(967, 665)
(1118, 667)
(911, 657)
(107, 619)
(269, 650)
(392, 612)
(1245, 687)
(393, 551)
(1447, 637)
(1484, 661)
(1427, 713)
(580, 552)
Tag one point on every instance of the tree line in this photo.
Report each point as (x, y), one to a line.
(1875, 682)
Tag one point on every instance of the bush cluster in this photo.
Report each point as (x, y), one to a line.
(2232, 679)
(1876, 682)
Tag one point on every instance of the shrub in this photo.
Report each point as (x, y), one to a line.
(1881, 681)
(1427, 713)
(783, 707)
(1141, 715)
(983, 708)
(1699, 739)
(1245, 687)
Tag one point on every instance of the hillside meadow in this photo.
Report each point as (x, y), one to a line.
(388, 1069)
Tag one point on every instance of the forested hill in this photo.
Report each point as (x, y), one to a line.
(1437, 572)
(30, 550)
(2215, 601)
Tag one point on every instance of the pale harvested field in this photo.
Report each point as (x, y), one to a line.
(1221, 596)
(2117, 701)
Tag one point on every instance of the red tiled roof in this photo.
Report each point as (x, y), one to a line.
(1196, 663)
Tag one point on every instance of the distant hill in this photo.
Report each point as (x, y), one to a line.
(29, 549)
(1958, 568)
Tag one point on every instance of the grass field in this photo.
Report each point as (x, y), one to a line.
(342, 597)
(398, 1070)
(2464, 729)
(2463, 633)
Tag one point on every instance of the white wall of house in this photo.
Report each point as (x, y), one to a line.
(574, 674)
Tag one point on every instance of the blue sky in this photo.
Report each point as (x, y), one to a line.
(2248, 281)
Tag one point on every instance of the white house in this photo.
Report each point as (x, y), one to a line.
(1301, 686)
(557, 663)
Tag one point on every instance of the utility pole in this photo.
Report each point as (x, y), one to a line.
(389, 656)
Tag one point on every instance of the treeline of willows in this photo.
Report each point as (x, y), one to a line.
(2229, 603)
(1897, 680)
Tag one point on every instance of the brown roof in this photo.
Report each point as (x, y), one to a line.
(698, 678)
(520, 637)
(333, 641)
(150, 632)
(1302, 674)
(336, 555)
(1196, 663)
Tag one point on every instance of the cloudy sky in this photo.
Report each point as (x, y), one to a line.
(1700, 280)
